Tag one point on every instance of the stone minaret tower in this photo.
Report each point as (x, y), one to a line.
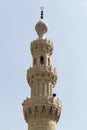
(41, 111)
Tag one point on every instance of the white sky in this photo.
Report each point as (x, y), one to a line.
(67, 20)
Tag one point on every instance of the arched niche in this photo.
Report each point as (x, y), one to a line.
(41, 60)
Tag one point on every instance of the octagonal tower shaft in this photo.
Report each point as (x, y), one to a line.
(42, 110)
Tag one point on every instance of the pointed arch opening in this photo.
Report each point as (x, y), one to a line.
(41, 60)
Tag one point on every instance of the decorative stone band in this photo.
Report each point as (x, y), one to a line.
(41, 45)
(42, 72)
(48, 108)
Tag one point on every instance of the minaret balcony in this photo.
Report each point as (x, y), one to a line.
(42, 106)
(42, 72)
(41, 45)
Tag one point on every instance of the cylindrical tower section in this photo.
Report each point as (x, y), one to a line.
(42, 125)
(42, 80)
(42, 113)
(41, 51)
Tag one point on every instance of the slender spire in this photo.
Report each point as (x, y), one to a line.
(42, 9)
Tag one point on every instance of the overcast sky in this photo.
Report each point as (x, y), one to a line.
(67, 20)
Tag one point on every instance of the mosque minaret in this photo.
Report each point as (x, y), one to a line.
(42, 110)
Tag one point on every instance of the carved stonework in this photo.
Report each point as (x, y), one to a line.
(41, 45)
(42, 72)
(42, 110)
(36, 108)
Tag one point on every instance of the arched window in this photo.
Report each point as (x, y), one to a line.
(41, 60)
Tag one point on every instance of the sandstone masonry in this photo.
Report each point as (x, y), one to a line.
(42, 110)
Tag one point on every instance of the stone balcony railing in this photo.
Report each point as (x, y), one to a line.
(41, 45)
(35, 101)
(49, 42)
(43, 68)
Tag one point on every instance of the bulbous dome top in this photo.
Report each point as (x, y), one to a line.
(41, 28)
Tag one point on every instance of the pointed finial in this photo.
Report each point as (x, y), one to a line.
(42, 9)
(41, 26)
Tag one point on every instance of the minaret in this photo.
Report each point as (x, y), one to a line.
(42, 110)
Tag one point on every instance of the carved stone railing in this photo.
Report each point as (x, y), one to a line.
(43, 100)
